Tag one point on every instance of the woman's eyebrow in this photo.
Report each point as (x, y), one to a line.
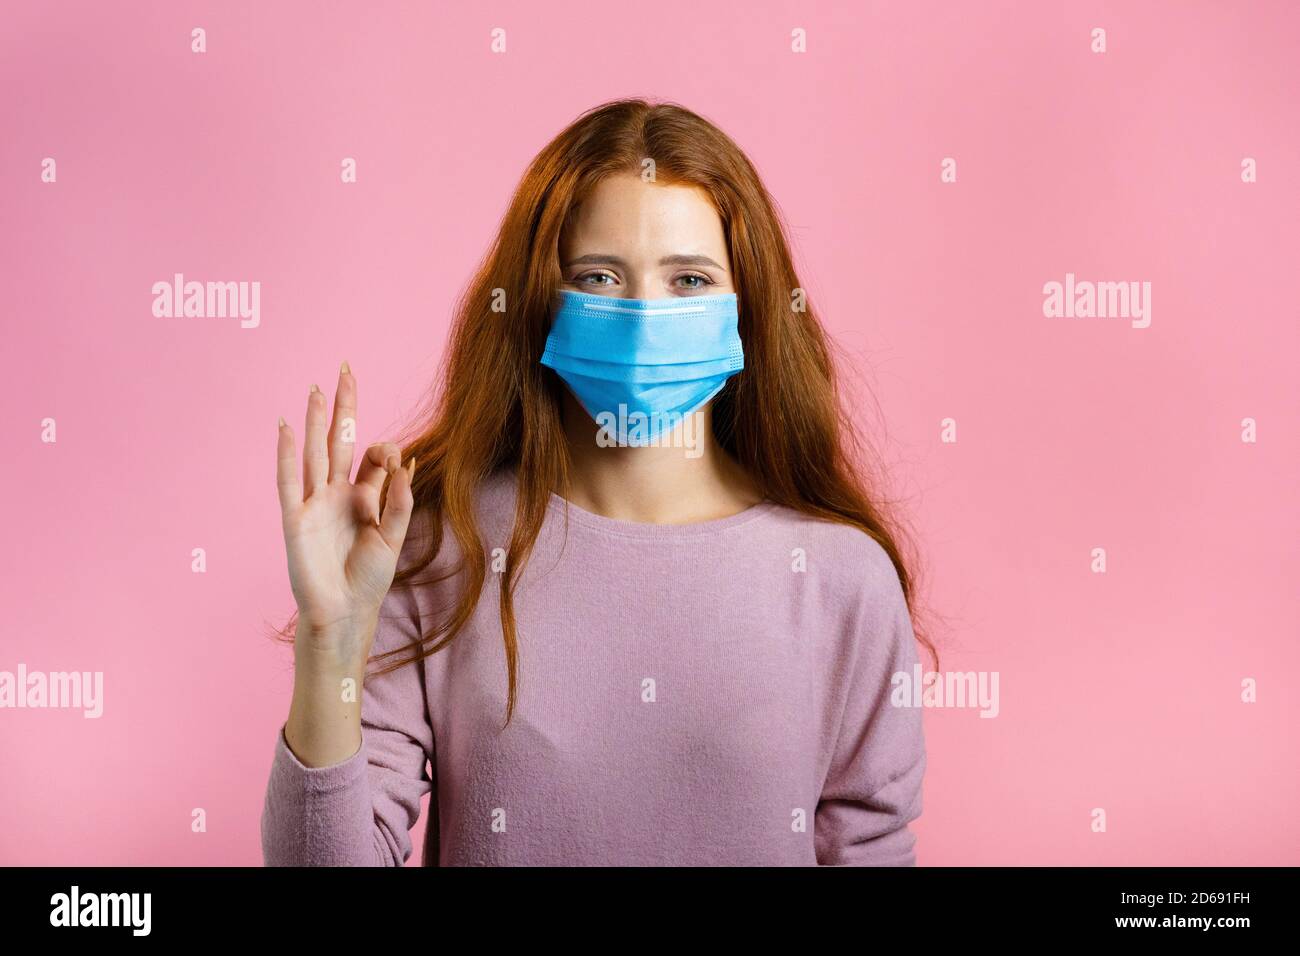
(689, 261)
(601, 258)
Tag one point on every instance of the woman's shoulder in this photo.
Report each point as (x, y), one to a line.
(429, 564)
(845, 557)
(493, 501)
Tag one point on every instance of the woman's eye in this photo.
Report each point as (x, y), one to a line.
(589, 278)
(695, 281)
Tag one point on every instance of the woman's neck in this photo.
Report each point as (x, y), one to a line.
(685, 479)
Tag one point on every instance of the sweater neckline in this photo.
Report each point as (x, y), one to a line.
(567, 511)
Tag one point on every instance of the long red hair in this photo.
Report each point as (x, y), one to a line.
(781, 417)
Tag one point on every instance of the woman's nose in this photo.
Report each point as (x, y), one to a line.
(639, 287)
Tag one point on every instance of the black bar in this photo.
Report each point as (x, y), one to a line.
(621, 906)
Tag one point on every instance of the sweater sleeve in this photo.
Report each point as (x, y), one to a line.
(873, 787)
(359, 812)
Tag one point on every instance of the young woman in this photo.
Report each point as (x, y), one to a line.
(644, 612)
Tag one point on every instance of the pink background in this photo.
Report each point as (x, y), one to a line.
(1119, 691)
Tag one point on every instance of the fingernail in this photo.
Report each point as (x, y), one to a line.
(281, 421)
(410, 467)
(344, 370)
(314, 390)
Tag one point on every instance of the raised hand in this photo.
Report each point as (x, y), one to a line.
(342, 552)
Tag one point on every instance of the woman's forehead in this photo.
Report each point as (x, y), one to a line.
(625, 212)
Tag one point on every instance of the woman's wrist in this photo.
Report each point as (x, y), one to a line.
(324, 723)
(336, 652)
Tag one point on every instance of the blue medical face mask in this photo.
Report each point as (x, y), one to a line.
(638, 366)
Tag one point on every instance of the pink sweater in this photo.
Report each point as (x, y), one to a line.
(707, 694)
